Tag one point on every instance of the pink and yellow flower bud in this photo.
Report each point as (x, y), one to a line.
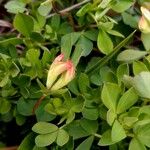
(144, 25)
(56, 68)
(144, 22)
(146, 13)
(66, 77)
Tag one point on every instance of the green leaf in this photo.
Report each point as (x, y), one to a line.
(107, 75)
(121, 6)
(106, 139)
(143, 134)
(130, 55)
(139, 67)
(76, 131)
(62, 137)
(5, 106)
(44, 128)
(55, 22)
(45, 139)
(24, 24)
(90, 113)
(86, 144)
(83, 83)
(128, 99)
(136, 144)
(131, 20)
(67, 42)
(141, 84)
(145, 39)
(15, 6)
(85, 9)
(91, 34)
(117, 133)
(104, 42)
(25, 107)
(89, 126)
(4, 81)
(14, 41)
(111, 116)
(45, 8)
(115, 33)
(27, 143)
(110, 95)
(122, 70)
(100, 63)
(83, 48)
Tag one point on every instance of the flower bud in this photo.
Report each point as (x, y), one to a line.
(146, 13)
(56, 68)
(66, 77)
(144, 26)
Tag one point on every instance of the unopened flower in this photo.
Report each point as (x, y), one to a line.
(66, 77)
(144, 22)
(56, 68)
(146, 13)
(144, 26)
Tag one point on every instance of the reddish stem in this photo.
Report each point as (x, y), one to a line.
(38, 103)
(10, 148)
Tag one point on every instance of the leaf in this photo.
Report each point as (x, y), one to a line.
(130, 55)
(91, 34)
(115, 33)
(143, 134)
(117, 133)
(67, 42)
(100, 63)
(104, 42)
(45, 8)
(141, 84)
(128, 99)
(25, 107)
(110, 95)
(45, 139)
(139, 67)
(14, 41)
(76, 131)
(122, 70)
(90, 113)
(15, 6)
(136, 144)
(41, 114)
(55, 22)
(4, 81)
(5, 106)
(83, 48)
(85, 9)
(131, 20)
(89, 126)
(83, 83)
(145, 39)
(86, 144)
(62, 137)
(44, 128)
(121, 6)
(24, 24)
(106, 139)
(111, 116)
(27, 143)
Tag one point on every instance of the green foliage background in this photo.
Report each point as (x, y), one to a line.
(106, 105)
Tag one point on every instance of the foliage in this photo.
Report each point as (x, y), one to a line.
(107, 104)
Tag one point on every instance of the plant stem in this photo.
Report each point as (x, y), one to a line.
(69, 8)
(97, 135)
(38, 103)
(10, 148)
